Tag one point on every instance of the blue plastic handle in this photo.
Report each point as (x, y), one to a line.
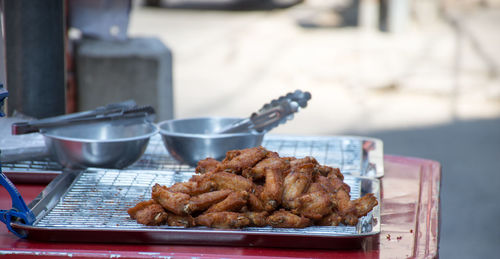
(3, 94)
(19, 208)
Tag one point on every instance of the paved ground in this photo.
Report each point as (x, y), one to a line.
(432, 91)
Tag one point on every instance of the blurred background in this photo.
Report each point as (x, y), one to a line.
(422, 75)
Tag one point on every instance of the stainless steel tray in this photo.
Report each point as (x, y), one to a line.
(91, 205)
(359, 156)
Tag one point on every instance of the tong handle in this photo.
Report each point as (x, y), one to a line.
(19, 128)
(109, 112)
(19, 211)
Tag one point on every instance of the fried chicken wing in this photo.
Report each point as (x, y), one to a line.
(338, 184)
(298, 162)
(285, 219)
(332, 219)
(330, 171)
(180, 221)
(171, 201)
(224, 180)
(346, 208)
(272, 193)
(148, 213)
(237, 160)
(364, 204)
(233, 202)
(295, 184)
(254, 203)
(358, 208)
(315, 205)
(257, 219)
(208, 165)
(343, 201)
(258, 172)
(205, 200)
(193, 187)
(325, 184)
(223, 220)
(316, 187)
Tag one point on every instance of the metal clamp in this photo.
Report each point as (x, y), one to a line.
(19, 211)
(272, 114)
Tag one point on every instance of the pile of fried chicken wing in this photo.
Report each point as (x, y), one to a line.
(255, 187)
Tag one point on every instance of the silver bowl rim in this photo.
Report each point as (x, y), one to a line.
(153, 132)
(205, 136)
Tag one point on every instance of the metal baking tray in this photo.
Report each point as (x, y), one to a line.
(359, 156)
(91, 206)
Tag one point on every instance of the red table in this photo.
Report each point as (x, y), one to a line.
(409, 214)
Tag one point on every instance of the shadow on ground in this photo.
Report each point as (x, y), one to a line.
(229, 5)
(469, 152)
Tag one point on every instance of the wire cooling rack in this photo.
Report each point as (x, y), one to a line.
(346, 153)
(99, 199)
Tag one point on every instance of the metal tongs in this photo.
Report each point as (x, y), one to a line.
(121, 110)
(272, 114)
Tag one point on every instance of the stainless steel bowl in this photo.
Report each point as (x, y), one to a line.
(194, 139)
(115, 144)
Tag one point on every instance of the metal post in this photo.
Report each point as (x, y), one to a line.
(35, 57)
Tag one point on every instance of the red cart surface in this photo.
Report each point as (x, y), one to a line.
(409, 226)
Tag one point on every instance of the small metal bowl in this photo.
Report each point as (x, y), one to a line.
(115, 144)
(194, 139)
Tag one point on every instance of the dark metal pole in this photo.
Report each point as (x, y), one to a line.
(35, 57)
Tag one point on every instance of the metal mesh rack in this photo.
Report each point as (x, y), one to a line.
(99, 199)
(32, 166)
(342, 152)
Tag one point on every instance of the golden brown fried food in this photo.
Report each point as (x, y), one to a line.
(324, 183)
(315, 205)
(272, 193)
(285, 219)
(358, 208)
(255, 187)
(237, 160)
(338, 184)
(193, 187)
(224, 180)
(171, 201)
(254, 203)
(205, 200)
(298, 162)
(330, 172)
(208, 165)
(364, 204)
(223, 220)
(296, 183)
(343, 201)
(180, 221)
(233, 202)
(332, 219)
(272, 160)
(316, 187)
(257, 219)
(346, 208)
(148, 213)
